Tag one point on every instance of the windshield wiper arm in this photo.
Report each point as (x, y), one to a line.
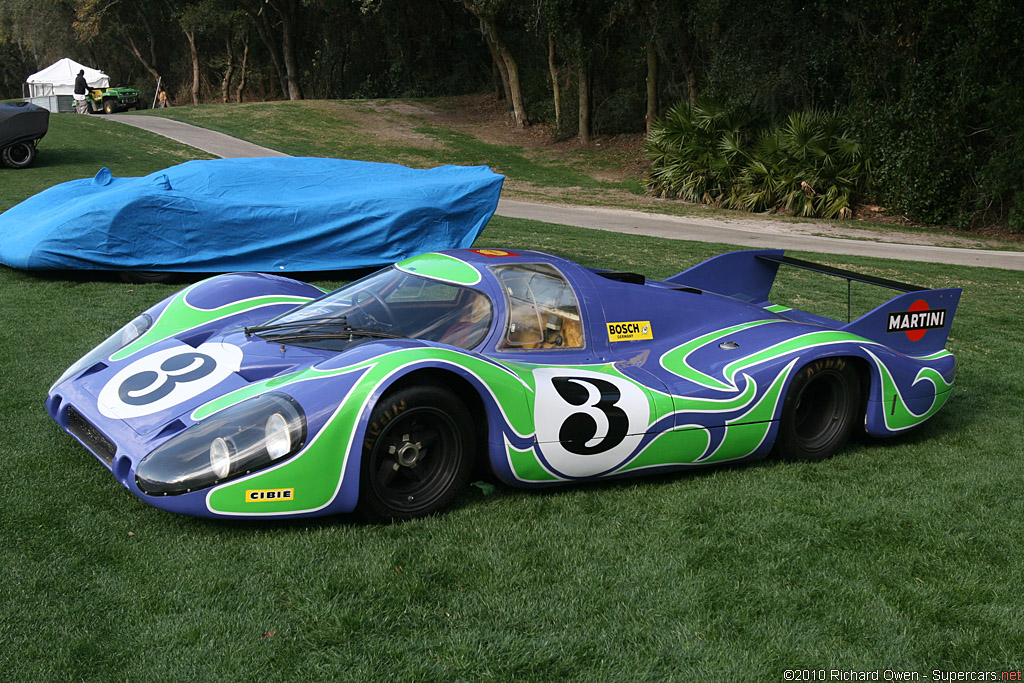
(287, 324)
(317, 335)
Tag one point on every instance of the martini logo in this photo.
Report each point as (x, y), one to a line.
(918, 320)
(493, 253)
(268, 495)
(640, 329)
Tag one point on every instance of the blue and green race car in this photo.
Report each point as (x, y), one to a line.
(249, 395)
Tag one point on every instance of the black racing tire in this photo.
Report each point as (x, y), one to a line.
(110, 106)
(819, 411)
(417, 454)
(18, 155)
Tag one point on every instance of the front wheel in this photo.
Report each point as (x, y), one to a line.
(417, 454)
(18, 155)
(819, 411)
(110, 106)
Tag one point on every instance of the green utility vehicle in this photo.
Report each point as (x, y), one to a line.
(113, 100)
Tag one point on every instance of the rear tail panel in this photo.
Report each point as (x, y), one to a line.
(914, 323)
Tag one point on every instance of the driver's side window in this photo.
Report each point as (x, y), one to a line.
(542, 309)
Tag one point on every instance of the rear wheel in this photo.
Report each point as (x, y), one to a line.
(417, 454)
(819, 411)
(18, 155)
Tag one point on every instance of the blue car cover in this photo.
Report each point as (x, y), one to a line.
(278, 214)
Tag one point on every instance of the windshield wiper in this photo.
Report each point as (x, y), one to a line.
(350, 334)
(312, 329)
(288, 324)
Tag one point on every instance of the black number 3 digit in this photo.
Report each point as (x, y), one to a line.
(582, 426)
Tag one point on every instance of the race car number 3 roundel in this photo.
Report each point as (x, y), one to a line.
(166, 378)
(588, 422)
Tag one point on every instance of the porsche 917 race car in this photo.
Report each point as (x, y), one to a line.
(250, 395)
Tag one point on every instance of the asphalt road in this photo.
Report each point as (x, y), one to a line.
(625, 221)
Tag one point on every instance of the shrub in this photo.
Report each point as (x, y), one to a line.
(809, 165)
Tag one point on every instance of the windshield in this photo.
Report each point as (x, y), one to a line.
(388, 304)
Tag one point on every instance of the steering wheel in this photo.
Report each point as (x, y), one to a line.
(379, 300)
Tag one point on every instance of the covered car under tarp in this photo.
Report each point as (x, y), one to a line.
(22, 125)
(280, 214)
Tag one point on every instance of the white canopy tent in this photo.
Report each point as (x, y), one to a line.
(59, 79)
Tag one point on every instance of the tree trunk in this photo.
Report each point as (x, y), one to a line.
(266, 33)
(556, 87)
(652, 85)
(499, 64)
(229, 71)
(584, 87)
(515, 89)
(195, 65)
(142, 60)
(287, 8)
(241, 72)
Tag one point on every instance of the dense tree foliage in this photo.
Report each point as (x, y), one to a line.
(931, 88)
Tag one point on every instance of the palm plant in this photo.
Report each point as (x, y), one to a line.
(697, 152)
(809, 165)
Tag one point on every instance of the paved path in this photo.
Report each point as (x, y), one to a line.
(631, 222)
(215, 143)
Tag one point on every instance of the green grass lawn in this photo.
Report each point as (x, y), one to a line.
(896, 554)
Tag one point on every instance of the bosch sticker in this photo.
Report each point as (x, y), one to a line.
(916, 321)
(640, 329)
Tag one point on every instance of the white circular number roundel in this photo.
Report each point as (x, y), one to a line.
(166, 378)
(588, 422)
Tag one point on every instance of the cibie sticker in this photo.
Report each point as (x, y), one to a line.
(918, 320)
(639, 329)
(170, 376)
(268, 495)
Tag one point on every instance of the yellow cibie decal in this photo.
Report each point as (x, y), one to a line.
(268, 495)
(638, 329)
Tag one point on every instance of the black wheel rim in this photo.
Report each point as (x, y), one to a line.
(415, 459)
(18, 154)
(821, 411)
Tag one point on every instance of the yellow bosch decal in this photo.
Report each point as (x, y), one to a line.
(640, 329)
(268, 495)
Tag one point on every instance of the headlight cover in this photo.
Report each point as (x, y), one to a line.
(115, 342)
(234, 442)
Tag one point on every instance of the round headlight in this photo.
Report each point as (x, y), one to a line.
(277, 439)
(220, 458)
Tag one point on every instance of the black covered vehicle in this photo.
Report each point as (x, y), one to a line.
(22, 125)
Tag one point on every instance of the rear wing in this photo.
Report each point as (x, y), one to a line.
(916, 322)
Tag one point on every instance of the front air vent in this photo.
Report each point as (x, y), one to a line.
(91, 437)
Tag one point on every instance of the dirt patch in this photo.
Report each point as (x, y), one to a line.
(391, 122)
